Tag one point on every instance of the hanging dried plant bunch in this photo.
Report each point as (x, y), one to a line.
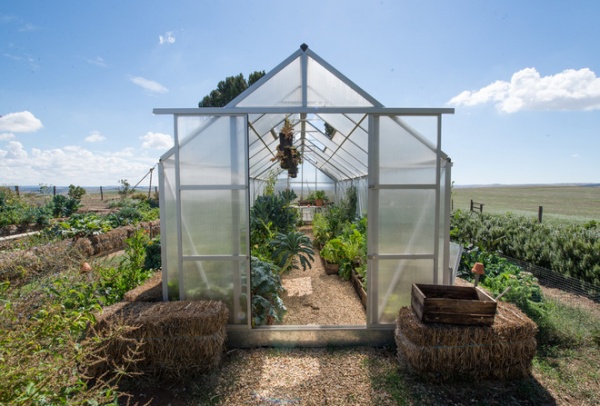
(287, 129)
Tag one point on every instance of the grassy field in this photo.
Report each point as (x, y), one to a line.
(575, 204)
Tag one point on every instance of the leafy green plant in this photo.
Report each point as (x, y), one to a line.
(333, 251)
(80, 225)
(288, 195)
(153, 254)
(321, 229)
(76, 192)
(291, 248)
(320, 195)
(63, 206)
(266, 303)
(270, 214)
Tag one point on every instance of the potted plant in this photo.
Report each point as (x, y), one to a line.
(332, 253)
(320, 197)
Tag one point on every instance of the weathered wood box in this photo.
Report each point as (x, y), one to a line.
(453, 304)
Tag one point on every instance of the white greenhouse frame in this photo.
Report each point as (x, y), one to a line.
(221, 159)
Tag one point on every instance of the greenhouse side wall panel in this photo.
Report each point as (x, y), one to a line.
(218, 280)
(406, 221)
(394, 284)
(211, 222)
(402, 158)
(169, 221)
(207, 159)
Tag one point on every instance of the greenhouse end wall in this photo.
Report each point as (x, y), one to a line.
(205, 206)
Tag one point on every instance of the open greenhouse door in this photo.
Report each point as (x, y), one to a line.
(404, 215)
(208, 259)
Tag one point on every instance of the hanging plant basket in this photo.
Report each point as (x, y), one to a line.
(287, 154)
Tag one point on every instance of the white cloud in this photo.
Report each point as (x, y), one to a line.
(6, 136)
(168, 38)
(98, 61)
(95, 136)
(28, 59)
(149, 85)
(528, 90)
(22, 122)
(70, 165)
(157, 141)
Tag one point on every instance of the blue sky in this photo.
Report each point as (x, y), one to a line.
(80, 79)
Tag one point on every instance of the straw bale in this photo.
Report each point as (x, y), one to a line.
(149, 291)
(182, 318)
(443, 351)
(174, 338)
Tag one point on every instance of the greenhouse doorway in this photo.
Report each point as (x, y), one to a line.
(289, 198)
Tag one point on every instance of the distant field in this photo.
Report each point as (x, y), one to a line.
(577, 204)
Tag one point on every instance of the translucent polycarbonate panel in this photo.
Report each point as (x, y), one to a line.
(403, 159)
(263, 123)
(218, 280)
(189, 126)
(284, 89)
(349, 124)
(216, 155)
(326, 89)
(443, 234)
(362, 188)
(424, 126)
(169, 220)
(394, 284)
(309, 179)
(213, 222)
(454, 261)
(406, 221)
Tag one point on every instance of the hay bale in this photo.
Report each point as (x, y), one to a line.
(446, 352)
(149, 291)
(177, 337)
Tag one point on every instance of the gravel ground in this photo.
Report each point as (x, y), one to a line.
(315, 298)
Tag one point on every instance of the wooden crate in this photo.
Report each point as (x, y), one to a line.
(453, 304)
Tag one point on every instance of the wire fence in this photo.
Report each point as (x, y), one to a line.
(553, 279)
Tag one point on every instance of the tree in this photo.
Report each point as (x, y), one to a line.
(229, 89)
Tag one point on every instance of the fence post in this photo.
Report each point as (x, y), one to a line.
(101, 194)
(471, 209)
(17, 190)
(540, 211)
(54, 191)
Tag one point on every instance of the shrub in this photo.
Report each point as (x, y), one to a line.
(63, 206)
(153, 254)
(573, 250)
(267, 306)
(270, 214)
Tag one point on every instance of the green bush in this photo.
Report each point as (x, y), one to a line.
(270, 214)
(13, 209)
(267, 306)
(63, 206)
(572, 250)
(153, 254)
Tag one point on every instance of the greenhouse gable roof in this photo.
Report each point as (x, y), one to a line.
(310, 93)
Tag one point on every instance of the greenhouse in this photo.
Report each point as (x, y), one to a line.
(304, 127)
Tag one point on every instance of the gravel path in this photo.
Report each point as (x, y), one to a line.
(315, 298)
